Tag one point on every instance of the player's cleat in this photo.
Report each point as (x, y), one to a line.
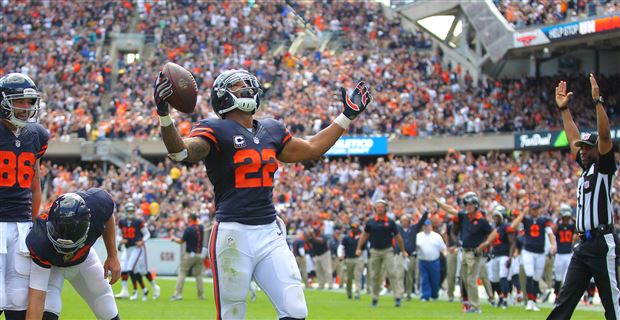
(474, 310)
(545, 296)
(134, 296)
(535, 307)
(156, 292)
(176, 298)
(397, 302)
(124, 294)
(374, 303)
(145, 295)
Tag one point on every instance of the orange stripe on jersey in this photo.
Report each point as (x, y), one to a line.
(286, 138)
(203, 129)
(205, 135)
(212, 253)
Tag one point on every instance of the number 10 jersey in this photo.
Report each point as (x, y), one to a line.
(241, 167)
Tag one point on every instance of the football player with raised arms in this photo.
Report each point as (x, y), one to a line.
(22, 143)
(60, 245)
(241, 155)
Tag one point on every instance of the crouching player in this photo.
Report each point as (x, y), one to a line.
(60, 246)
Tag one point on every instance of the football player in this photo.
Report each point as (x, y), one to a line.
(22, 143)
(134, 234)
(241, 155)
(533, 254)
(565, 234)
(60, 246)
(503, 246)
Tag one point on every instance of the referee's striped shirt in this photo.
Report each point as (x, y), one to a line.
(594, 193)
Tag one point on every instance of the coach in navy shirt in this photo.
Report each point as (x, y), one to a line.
(381, 230)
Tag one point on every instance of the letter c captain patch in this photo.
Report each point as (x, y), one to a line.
(238, 142)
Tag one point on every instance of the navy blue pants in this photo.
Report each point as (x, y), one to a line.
(430, 273)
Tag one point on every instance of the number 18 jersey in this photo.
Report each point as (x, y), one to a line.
(241, 167)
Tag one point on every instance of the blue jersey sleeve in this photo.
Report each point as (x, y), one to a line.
(204, 130)
(279, 133)
(44, 137)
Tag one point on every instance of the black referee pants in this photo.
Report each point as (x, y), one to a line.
(593, 258)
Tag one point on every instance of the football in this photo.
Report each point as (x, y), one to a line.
(184, 88)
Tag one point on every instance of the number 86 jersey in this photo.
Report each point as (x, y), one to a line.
(18, 157)
(241, 166)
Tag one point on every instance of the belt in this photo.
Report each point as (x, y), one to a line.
(599, 231)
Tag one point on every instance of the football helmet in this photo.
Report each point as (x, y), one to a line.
(471, 197)
(68, 223)
(566, 211)
(500, 211)
(225, 99)
(15, 86)
(130, 210)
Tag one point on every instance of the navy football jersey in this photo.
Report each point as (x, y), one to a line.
(501, 245)
(131, 229)
(564, 237)
(535, 233)
(241, 166)
(18, 157)
(41, 249)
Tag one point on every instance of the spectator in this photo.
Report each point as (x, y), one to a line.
(430, 244)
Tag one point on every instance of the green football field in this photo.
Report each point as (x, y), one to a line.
(321, 305)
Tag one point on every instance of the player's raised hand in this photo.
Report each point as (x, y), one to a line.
(162, 91)
(357, 102)
(595, 90)
(113, 267)
(562, 97)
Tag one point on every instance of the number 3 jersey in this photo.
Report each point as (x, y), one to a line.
(241, 167)
(18, 156)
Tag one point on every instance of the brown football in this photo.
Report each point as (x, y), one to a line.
(184, 89)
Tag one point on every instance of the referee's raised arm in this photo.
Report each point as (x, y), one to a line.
(561, 99)
(602, 122)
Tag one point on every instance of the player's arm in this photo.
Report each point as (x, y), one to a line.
(572, 132)
(181, 240)
(515, 223)
(602, 121)
(401, 245)
(146, 234)
(512, 243)
(35, 188)
(297, 149)
(363, 238)
(111, 263)
(449, 209)
(37, 291)
(420, 223)
(485, 244)
(179, 149)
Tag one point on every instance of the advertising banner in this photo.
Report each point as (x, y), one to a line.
(581, 28)
(360, 145)
(529, 38)
(162, 255)
(552, 139)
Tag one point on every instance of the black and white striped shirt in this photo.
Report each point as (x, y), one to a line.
(594, 206)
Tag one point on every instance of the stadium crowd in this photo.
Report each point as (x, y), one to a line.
(522, 14)
(338, 190)
(417, 92)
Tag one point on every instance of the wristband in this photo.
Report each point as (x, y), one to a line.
(165, 121)
(343, 121)
(179, 156)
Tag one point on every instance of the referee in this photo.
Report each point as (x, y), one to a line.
(595, 254)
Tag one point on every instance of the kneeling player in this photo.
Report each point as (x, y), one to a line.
(60, 246)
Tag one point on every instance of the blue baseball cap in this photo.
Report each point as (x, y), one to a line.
(428, 222)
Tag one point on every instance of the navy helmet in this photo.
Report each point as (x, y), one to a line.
(225, 99)
(14, 86)
(68, 222)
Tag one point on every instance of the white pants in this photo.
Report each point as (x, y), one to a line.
(240, 252)
(497, 268)
(135, 260)
(14, 265)
(561, 265)
(533, 264)
(87, 279)
(515, 265)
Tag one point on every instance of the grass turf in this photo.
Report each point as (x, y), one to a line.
(321, 305)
